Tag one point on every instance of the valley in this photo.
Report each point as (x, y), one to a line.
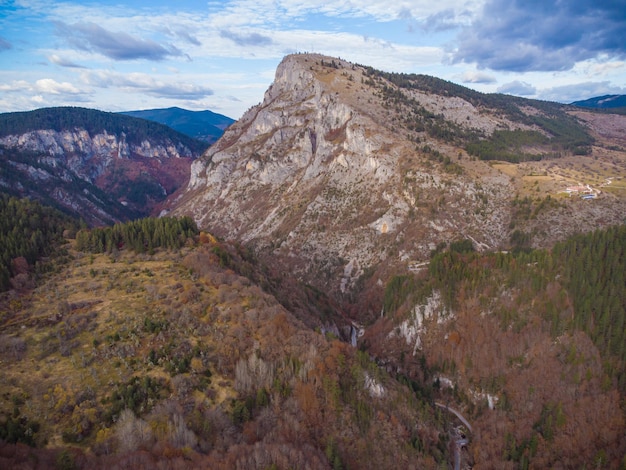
(367, 270)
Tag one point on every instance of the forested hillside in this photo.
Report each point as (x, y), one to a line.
(587, 270)
(529, 343)
(197, 365)
(609, 103)
(136, 359)
(26, 174)
(28, 233)
(590, 268)
(594, 267)
(553, 131)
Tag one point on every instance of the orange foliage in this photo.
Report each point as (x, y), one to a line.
(283, 329)
(454, 338)
(307, 399)
(206, 238)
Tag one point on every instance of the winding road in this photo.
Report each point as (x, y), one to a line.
(460, 440)
(455, 413)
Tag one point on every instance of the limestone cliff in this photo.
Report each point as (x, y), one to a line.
(343, 175)
(103, 176)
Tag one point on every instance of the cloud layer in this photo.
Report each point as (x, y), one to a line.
(543, 35)
(114, 45)
(222, 54)
(144, 83)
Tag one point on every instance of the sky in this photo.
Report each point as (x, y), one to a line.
(221, 55)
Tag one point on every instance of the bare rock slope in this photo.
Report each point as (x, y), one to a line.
(343, 175)
(101, 166)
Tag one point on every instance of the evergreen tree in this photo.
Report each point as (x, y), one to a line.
(28, 230)
(138, 235)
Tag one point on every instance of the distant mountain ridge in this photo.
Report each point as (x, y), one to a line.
(202, 125)
(93, 121)
(603, 102)
(103, 167)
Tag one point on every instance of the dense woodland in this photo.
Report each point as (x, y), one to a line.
(590, 270)
(28, 233)
(170, 351)
(542, 330)
(143, 235)
(594, 267)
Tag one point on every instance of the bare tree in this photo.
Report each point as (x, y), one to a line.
(132, 432)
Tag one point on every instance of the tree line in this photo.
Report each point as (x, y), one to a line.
(141, 236)
(29, 231)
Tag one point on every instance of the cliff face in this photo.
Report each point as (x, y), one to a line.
(77, 148)
(135, 178)
(317, 176)
(329, 178)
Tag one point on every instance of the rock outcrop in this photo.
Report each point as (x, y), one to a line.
(88, 156)
(329, 180)
(103, 177)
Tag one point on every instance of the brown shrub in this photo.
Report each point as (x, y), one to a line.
(12, 347)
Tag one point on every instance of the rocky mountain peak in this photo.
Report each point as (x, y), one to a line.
(344, 174)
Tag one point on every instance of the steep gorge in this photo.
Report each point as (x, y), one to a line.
(99, 166)
(350, 203)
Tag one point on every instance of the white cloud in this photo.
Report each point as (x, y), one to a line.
(43, 85)
(603, 68)
(144, 83)
(63, 61)
(15, 85)
(477, 77)
(48, 85)
(518, 88)
(580, 91)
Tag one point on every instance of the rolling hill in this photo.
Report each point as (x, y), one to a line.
(603, 102)
(614, 104)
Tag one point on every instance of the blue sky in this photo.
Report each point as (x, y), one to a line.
(222, 55)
